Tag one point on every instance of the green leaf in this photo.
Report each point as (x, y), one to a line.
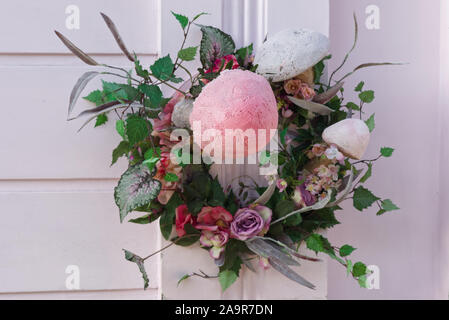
(243, 54)
(187, 54)
(227, 278)
(140, 264)
(367, 96)
(137, 129)
(359, 87)
(362, 281)
(386, 152)
(370, 123)
(349, 267)
(119, 91)
(140, 71)
(214, 45)
(101, 119)
(171, 177)
(229, 272)
(346, 250)
(163, 68)
(184, 277)
(363, 198)
(168, 216)
(353, 106)
(199, 15)
(121, 150)
(120, 127)
(318, 69)
(187, 240)
(388, 205)
(367, 174)
(183, 20)
(95, 97)
(135, 188)
(153, 93)
(359, 269)
(145, 219)
(217, 197)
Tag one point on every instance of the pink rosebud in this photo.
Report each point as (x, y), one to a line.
(264, 263)
(287, 113)
(281, 184)
(213, 218)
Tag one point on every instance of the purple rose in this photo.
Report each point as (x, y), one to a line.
(250, 222)
(302, 197)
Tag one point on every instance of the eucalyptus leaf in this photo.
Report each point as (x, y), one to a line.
(76, 51)
(135, 188)
(311, 106)
(266, 196)
(79, 87)
(269, 250)
(326, 96)
(289, 273)
(117, 36)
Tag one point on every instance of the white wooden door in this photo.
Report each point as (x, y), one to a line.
(59, 219)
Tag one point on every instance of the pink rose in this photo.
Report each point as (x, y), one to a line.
(183, 217)
(216, 240)
(292, 86)
(213, 219)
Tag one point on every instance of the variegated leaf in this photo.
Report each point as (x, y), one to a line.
(289, 273)
(76, 51)
(135, 188)
(117, 36)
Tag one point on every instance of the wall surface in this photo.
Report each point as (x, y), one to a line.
(406, 245)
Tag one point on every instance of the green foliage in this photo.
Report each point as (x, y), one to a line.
(95, 97)
(214, 44)
(145, 219)
(121, 150)
(187, 54)
(171, 177)
(137, 129)
(367, 174)
(120, 127)
(163, 68)
(101, 119)
(367, 96)
(168, 216)
(140, 71)
(229, 271)
(386, 152)
(153, 93)
(387, 205)
(370, 123)
(217, 196)
(353, 106)
(346, 250)
(243, 55)
(183, 20)
(359, 87)
(135, 188)
(140, 264)
(359, 269)
(363, 198)
(318, 69)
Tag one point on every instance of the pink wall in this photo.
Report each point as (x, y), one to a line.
(406, 244)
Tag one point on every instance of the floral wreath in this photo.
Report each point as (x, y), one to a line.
(322, 139)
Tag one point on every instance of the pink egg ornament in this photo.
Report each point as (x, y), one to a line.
(351, 136)
(237, 100)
